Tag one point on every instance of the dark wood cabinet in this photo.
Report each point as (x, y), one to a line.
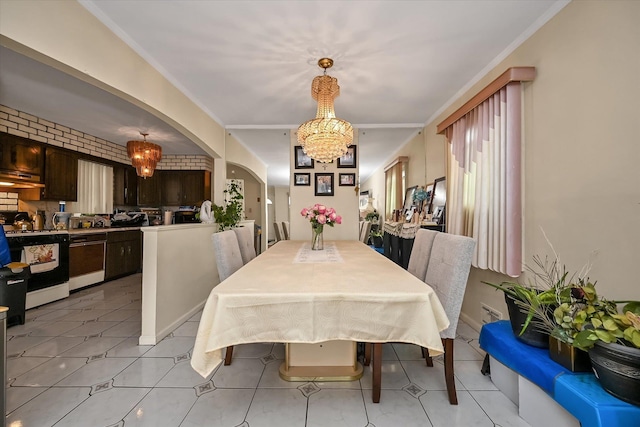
(180, 188)
(21, 155)
(60, 175)
(125, 186)
(149, 190)
(124, 253)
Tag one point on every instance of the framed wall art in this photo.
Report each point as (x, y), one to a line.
(301, 179)
(324, 184)
(302, 161)
(347, 179)
(348, 160)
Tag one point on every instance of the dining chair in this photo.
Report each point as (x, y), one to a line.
(447, 274)
(285, 230)
(421, 252)
(277, 228)
(245, 242)
(364, 234)
(229, 260)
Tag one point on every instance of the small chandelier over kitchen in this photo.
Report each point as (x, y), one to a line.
(144, 156)
(326, 137)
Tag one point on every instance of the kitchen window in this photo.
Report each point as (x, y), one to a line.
(95, 188)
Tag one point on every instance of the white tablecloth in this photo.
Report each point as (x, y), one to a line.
(274, 299)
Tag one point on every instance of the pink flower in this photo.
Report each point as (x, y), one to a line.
(304, 212)
(333, 215)
(322, 209)
(321, 219)
(338, 219)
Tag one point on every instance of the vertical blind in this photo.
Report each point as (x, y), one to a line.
(485, 180)
(95, 188)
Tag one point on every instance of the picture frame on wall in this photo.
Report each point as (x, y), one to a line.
(323, 184)
(302, 179)
(302, 161)
(363, 201)
(348, 160)
(347, 179)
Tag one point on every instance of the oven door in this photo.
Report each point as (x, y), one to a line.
(47, 255)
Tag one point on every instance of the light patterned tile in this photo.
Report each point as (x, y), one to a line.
(48, 407)
(396, 408)
(161, 407)
(336, 408)
(219, 408)
(466, 413)
(279, 407)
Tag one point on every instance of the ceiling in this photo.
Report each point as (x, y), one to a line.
(249, 65)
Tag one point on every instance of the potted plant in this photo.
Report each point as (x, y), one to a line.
(230, 214)
(376, 238)
(612, 338)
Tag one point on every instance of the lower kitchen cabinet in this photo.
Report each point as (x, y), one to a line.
(124, 253)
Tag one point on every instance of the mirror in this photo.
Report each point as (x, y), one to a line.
(439, 196)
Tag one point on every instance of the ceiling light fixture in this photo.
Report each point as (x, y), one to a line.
(326, 137)
(144, 156)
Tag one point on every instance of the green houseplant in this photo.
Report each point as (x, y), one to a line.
(230, 214)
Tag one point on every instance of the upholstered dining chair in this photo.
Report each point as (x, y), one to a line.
(447, 274)
(229, 260)
(421, 252)
(245, 242)
(278, 229)
(285, 230)
(364, 233)
(447, 270)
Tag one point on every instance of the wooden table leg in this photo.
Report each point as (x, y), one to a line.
(377, 371)
(228, 355)
(367, 354)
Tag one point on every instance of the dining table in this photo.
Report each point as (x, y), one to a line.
(292, 294)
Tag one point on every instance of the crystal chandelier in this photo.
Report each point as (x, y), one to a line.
(144, 156)
(326, 137)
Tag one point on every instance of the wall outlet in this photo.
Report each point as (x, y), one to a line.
(488, 314)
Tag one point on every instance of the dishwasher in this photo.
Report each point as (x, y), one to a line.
(86, 259)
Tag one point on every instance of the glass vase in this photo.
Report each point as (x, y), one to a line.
(317, 241)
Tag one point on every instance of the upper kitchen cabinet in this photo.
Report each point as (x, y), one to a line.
(149, 190)
(180, 188)
(60, 175)
(20, 155)
(125, 186)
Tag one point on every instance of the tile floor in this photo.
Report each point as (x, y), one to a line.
(77, 362)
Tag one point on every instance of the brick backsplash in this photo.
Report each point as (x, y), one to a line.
(29, 126)
(8, 201)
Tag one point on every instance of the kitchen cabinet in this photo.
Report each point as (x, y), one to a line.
(21, 155)
(180, 188)
(125, 186)
(124, 253)
(149, 190)
(60, 175)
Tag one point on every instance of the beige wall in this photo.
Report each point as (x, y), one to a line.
(344, 200)
(581, 183)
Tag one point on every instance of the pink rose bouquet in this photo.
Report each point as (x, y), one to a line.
(319, 216)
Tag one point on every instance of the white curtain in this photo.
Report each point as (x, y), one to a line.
(485, 179)
(95, 188)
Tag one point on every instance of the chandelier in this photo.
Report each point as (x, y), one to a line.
(326, 137)
(144, 156)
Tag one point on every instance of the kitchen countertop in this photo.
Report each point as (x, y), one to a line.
(101, 230)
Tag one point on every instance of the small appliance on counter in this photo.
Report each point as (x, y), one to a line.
(129, 219)
(61, 220)
(185, 217)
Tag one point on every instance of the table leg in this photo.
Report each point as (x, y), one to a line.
(377, 371)
(228, 355)
(367, 354)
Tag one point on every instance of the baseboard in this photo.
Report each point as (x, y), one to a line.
(153, 340)
(469, 321)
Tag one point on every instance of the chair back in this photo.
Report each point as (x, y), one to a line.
(448, 271)
(277, 228)
(285, 230)
(421, 252)
(227, 252)
(245, 242)
(364, 233)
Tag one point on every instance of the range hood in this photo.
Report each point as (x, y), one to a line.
(18, 180)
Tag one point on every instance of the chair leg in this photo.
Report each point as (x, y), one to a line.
(228, 355)
(377, 372)
(448, 370)
(367, 354)
(428, 359)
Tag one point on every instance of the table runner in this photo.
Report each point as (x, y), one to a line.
(330, 253)
(273, 299)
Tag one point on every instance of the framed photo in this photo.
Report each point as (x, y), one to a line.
(439, 194)
(408, 198)
(347, 179)
(324, 184)
(349, 158)
(363, 201)
(302, 161)
(301, 179)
